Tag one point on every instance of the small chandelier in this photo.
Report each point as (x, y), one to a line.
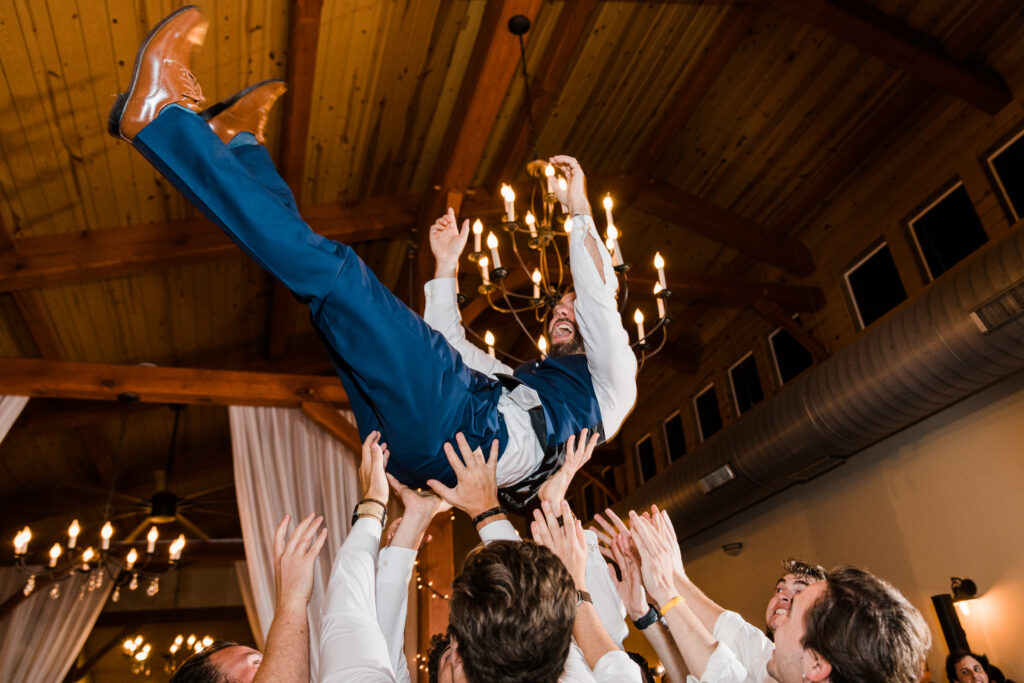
(536, 239)
(66, 560)
(139, 652)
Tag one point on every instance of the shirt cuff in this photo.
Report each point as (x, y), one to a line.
(499, 530)
(616, 665)
(395, 564)
(440, 286)
(368, 525)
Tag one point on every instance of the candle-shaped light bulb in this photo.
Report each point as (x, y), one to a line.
(536, 277)
(151, 540)
(661, 302)
(105, 533)
(489, 340)
(638, 318)
(191, 639)
(549, 173)
(73, 532)
(179, 639)
(510, 198)
(613, 246)
(568, 226)
(207, 641)
(542, 344)
(88, 555)
(478, 230)
(492, 244)
(133, 556)
(484, 262)
(55, 552)
(176, 547)
(21, 540)
(531, 223)
(608, 209)
(659, 263)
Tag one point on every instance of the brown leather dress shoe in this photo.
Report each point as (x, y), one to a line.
(161, 76)
(246, 111)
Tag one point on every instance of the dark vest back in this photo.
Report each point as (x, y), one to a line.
(566, 392)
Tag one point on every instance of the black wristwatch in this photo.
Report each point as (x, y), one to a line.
(647, 619)
(371, 507)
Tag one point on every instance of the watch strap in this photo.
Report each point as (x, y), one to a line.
(368, 507)
(647, 619)
(582, 597)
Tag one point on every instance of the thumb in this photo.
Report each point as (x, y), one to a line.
(443, 492)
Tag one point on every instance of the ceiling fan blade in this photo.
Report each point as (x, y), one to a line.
(192, 528)
(126, 515)
(206, 492)
(216, 513)
(138, 530)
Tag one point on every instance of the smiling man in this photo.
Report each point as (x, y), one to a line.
(797, 575)
(403, 378)
(850, 628)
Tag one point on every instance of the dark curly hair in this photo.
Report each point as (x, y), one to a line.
(993, 672)
(511, 614)
(199, 669)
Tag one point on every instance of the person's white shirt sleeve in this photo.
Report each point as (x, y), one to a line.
(352, 647)
(610, 359)
(394, 571)
(723, 667)
(441, 312)
(749, 644)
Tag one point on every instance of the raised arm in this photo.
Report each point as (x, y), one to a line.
(287, 653)
(610, 360)
(442, 309)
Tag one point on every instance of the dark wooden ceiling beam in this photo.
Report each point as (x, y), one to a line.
(81, 256)
(300, 69)
(889, 118)
(776, 315)
(690, 212)
(569, 33)
(734, 292)
(334, 423)
(915, 52)
(492, 64)
(94, 381)
(705, 72)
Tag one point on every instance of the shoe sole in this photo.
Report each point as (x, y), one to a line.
(117, 111)
(215, 109)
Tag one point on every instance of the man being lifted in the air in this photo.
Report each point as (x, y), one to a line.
(403, 378)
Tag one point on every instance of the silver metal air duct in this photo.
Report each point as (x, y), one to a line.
(924, 358)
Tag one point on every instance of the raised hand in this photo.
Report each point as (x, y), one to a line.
(656, 558)
(609, 531)
(447, 242)
(476, 490)
(575, 199)
(663, 525)
(565, 540)
(631, 587)
(294, 557)
(371, 468)
(577, 453)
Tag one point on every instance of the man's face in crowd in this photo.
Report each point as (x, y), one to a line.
(238, 663)
(970, 670)
(563, 333)
(779, 606)
(790, 661)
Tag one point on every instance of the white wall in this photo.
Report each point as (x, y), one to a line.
(943, 498)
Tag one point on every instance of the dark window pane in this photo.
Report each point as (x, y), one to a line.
(708, 415)
(675, 437)
(876, 286)
(948, 232)
(1009, 167)
(791, 358)
(645, 458)
(746, 384)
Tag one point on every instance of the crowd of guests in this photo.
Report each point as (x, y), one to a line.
(553, 608)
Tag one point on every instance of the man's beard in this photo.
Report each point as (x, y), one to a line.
(574, 345)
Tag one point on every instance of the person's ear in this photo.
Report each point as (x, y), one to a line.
(817, 669)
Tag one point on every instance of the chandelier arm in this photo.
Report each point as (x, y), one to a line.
(515, 315)
(497, 350)
(558, 257)
(625, 293)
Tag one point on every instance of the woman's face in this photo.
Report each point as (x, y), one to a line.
(970, 670)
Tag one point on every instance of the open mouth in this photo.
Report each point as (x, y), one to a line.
(561, 329)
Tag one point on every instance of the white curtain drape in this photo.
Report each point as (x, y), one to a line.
(10, 409)
(285, 464)
(41, 638)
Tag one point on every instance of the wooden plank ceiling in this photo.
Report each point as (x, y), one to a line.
(721, 127)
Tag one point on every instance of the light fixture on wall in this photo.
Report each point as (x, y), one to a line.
(733, 549)
(964, 590)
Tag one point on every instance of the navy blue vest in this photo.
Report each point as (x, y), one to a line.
(568, 405)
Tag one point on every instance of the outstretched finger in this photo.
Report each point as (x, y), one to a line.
(398, 486)
(453, 459)
(541, 531)
(469, 455)
(443, 492)
(300, 531)
(492, 458)
(464, 232)
(318, 543)
(279, 535)
(609, 532)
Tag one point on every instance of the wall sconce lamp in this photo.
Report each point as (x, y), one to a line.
(733, 549)
(964, 590)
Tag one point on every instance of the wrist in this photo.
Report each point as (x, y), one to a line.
(291, 603)
(376, 493)
(477, 509)
(445, 269)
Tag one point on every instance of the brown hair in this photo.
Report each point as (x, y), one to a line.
(796, 567)
(866, 630)
(198, 668)
(512, 612)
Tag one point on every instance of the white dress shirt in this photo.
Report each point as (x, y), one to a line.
(611, 362)
(748, 643)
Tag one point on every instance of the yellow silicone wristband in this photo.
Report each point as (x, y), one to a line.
(672, 603)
